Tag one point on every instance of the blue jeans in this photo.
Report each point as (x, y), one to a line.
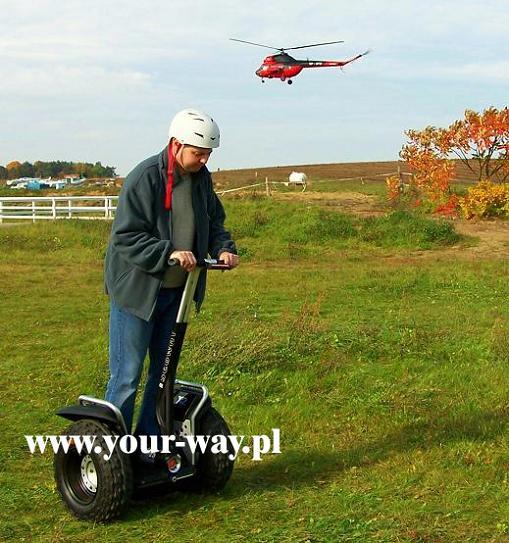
(130, 339)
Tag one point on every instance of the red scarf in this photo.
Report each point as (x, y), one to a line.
(169, 184)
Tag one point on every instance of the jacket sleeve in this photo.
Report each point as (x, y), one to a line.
(220, 239)
(132, 234)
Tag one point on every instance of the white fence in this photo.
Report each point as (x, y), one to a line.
(34, 208)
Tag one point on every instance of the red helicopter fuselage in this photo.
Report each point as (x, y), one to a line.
(283, 66)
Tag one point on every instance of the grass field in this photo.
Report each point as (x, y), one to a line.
(378, 345)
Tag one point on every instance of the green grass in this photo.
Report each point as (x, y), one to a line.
(272, 229)
(370, 187)
(385, 371)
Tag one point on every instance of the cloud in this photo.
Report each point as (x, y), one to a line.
(72, 82)
(83, 49)
(489, 71)
(429, 69)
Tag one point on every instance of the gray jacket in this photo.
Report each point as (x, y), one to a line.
(140, 241)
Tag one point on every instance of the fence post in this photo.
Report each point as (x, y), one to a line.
(401, 182)
(267, 187)
(33, 210)
(54, 208)
(1, 212)
(69, 212)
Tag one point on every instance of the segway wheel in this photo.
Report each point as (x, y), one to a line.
(91, 487)
(213, 470)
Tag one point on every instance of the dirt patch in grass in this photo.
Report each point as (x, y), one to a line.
(347, 202)
(493, 236)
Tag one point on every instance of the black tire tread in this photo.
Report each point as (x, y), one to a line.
(116, 477)
(213, 470)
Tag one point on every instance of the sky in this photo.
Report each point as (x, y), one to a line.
(101, 80)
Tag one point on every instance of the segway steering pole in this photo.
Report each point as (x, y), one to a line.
(164, 410)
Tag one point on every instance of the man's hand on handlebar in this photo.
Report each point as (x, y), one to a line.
(185, 258)
(230, 259)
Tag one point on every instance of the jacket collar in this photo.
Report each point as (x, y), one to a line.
(163, 163)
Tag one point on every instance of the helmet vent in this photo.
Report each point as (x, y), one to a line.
(201, 135)
(195, 115)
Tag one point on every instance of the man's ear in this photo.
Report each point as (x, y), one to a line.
(176, 145)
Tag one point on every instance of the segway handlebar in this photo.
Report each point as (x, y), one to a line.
(208, 263)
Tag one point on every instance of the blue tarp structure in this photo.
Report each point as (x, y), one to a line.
(34, 185)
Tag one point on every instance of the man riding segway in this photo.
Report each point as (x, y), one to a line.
(167, 214)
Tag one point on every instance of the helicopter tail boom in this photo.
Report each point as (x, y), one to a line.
(330, 63)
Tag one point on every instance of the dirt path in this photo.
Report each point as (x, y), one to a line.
(493, 237)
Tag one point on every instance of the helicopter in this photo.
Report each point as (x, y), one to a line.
(283, 66)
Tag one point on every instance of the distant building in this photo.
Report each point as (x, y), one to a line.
(36, 183)
(74, 179)
(57, 184)
(22, 181)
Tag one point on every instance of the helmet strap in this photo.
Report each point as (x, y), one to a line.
(170, 177)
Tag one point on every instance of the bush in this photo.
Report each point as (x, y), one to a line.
(296, 228)
(404, 229)
(486, 199)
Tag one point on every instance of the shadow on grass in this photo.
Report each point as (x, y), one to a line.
(294, 469)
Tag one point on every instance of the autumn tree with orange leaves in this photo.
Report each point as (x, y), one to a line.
(479, 140)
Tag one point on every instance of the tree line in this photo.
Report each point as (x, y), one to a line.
(55, 169)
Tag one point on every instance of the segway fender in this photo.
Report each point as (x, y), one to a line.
(93, 408)
(78, 412)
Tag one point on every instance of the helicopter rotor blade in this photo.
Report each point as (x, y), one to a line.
(313, 45)
(258, 44)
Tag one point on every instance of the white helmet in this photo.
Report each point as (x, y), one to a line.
(193, 127)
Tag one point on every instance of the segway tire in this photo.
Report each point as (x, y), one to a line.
(213, 470)
(91, 487)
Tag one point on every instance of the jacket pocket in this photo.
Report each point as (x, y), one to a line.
(123, 275)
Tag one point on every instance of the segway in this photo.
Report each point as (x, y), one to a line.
(99, 489)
